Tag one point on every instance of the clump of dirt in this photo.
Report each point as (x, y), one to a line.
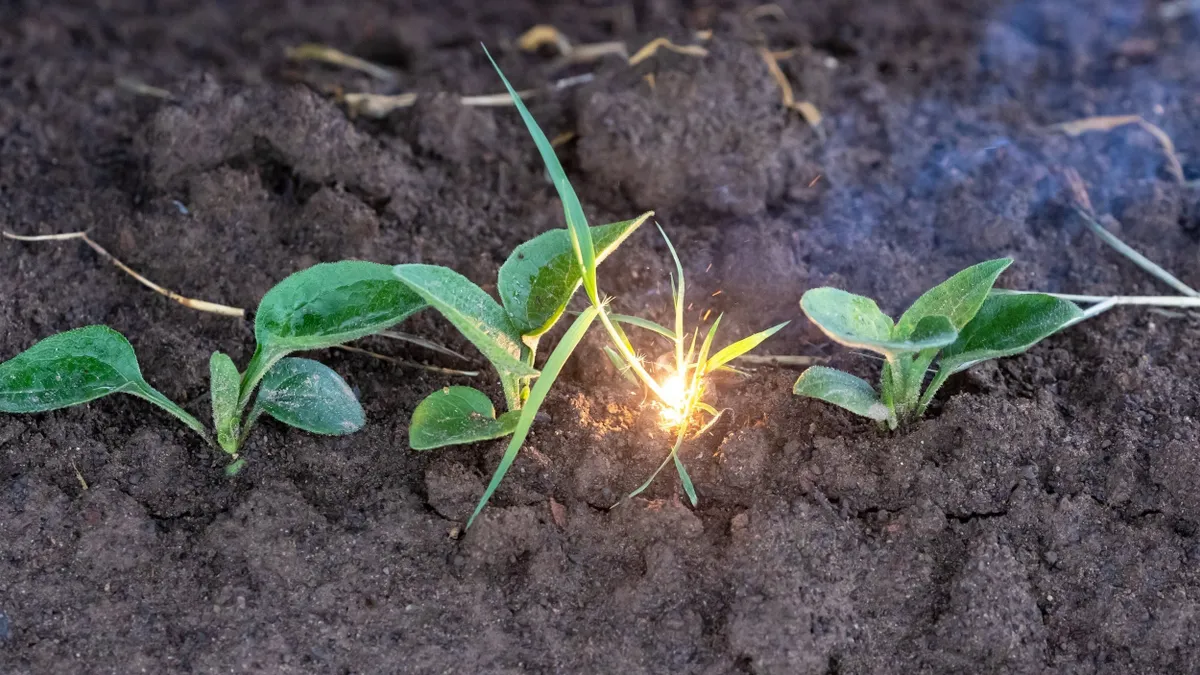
(1043, 518)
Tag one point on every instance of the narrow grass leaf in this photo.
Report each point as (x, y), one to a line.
(677, 294)
(622, 368)
(644, 323)
(740, 347)
(537, 395)
(581, 236)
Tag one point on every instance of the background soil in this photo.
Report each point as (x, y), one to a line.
(1043, 519)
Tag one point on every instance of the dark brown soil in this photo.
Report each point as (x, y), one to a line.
(1044, 518)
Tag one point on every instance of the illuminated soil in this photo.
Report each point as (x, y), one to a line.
(1043, 519)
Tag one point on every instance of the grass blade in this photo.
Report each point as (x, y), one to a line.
(644, 323)
(741, 347)
(670, 457)
(537, 395)
(685, 479)
(620, 365)
(677, 292)
(581, 235)
(1135, 257)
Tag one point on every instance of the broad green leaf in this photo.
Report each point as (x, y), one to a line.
(841, 389)
(958, 297)
(68, 369)
(740, 347)
(225, 385)
(851, 319)
(541, 275)
(331, 304)
(75, 367)
(457, 415)
(581, 234)
(325, 305)
(931, 332)
(537, 395)
(308, 395)
(1006, 325)
(856, 321)
(472, 311)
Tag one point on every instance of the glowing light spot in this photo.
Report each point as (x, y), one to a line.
(675, 396)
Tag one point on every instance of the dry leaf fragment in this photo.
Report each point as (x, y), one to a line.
(1110, 122)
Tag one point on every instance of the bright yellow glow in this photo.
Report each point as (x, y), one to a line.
(675, 392)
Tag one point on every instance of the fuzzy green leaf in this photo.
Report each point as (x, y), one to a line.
(856, 321)
(75, 367)
(541, 275)
(308, 395)
(580, 233)
(851, 319)
(225, 385)
(68, 369)
(331, 304)
(1006, 325)
(472, 311)
(457, 415)
(958, 297)
(740, 347)
(841, 389)
(325, 305)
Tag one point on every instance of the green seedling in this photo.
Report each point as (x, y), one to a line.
(962, 321)
(323, 306)
(535, 285)
(684, 387)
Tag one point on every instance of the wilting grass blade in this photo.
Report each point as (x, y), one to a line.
(537, 395)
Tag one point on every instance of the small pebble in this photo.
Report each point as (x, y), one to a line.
(5, 631)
